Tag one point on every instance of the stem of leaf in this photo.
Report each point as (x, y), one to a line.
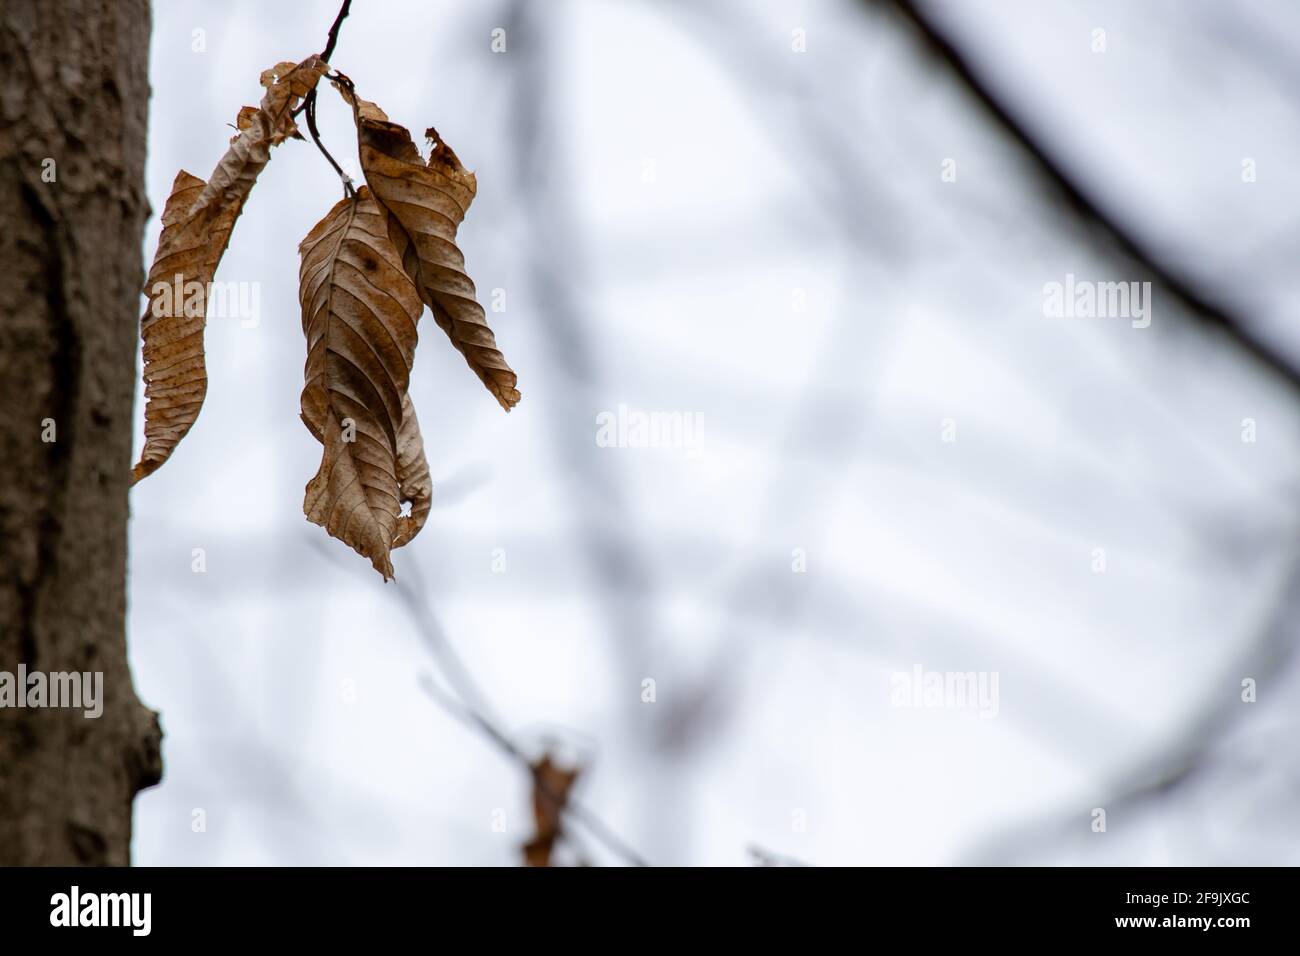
(310, 104)
(309, 101)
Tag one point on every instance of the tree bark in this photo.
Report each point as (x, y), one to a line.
(73, 115)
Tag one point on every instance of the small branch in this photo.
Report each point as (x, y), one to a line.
(333, 37)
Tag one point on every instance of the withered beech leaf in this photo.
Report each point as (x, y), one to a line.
(197, 221)
(428, 202)
(359, 314)
(175, 377)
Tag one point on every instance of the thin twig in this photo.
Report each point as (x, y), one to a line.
(333, 37)
(325, 54)
(308, 104)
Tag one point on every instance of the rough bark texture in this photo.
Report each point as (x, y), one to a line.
(73, 89)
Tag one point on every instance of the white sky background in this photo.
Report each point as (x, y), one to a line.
(690, 181)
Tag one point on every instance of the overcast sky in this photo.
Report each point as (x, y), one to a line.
(789, 224)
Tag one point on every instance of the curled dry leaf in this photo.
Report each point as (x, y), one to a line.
(428, 202)
(359, 313)
(197, 221)
(175, 376)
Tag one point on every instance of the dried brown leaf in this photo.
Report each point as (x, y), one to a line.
(428, 201)
(552, 784)
(197, 221)
(175, 376)
(359, 313)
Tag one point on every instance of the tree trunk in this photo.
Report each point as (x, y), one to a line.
(73, 113)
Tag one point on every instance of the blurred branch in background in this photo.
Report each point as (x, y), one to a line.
(467, 703)
(626, 577)
(1177, 764)
(835, 171)
(1207, 736)
(1072, 195)
(550, 783)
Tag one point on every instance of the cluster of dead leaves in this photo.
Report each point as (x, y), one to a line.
(369, 268)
